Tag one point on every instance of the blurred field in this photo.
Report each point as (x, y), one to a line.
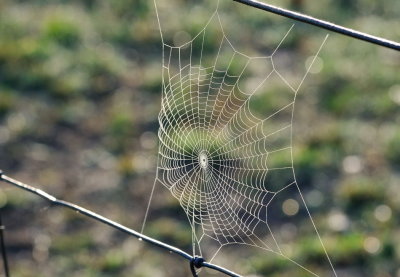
(80, 91)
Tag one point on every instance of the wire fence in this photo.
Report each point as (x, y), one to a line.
(194, 262)
(323, 24)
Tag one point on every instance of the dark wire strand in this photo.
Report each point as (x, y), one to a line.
(197, 261)
(3, 247)
(322, 24)
(193, 269)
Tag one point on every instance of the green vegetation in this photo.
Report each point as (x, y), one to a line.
(80, 92)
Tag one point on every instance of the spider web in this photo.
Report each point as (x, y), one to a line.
(226, 165)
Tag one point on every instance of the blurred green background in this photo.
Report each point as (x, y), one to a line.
(80, 90)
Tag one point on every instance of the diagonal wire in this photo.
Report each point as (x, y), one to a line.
(196, 261)
(322, 24)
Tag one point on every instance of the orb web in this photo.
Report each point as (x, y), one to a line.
(224, 163)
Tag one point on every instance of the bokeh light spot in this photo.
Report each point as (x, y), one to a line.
(394, 94)
(372, 245)
(180, 38)
(338, 221)
(383, 213)
(290, 207)
(352, 164)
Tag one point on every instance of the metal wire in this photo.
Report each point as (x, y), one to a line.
(3, 247)
(322, 24)
(196, 262)
(115, 225)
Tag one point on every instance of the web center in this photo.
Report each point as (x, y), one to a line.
(203, 160)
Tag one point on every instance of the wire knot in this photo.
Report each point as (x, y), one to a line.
(196, 262)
